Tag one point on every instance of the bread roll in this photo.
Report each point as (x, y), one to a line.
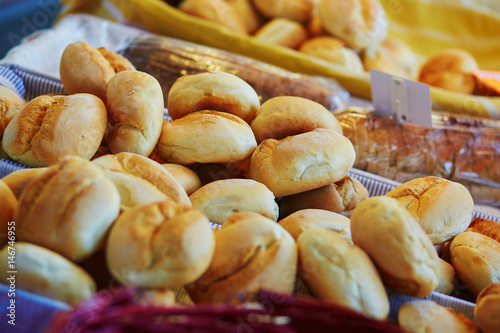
(46, 273)
(305, 219)
(8, 204)
(360, 23)
(49, 128)
(426, 316)
(246, 13)
(251, 253)
(338, 271)
(85, 69)
(216, 11)
(221, 198)
(155, 297)
(284, 116)
(486, 227)
(161, 245)
(302, 162)
(451, 70)
(148, 170)
(296, 10)
(135, 107)
(333, 50)
(186, 177)
(407, 261)
(442, 207)
(10, 105)
(446, 282)
(282, 31)
(19, 179)
(214, 90)
(206, 137)
(487, 309)
(340, 197)
(476, 259)
(68, 209)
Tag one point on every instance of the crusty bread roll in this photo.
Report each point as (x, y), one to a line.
(302, 162)
(148, 170)
(216, 11)
(49, 128)
(246, 13)
(336, 270)
(214, 90)
(186, 177)
(284, 116)
(360, 23)
(296, 10)
(282, 31)
(10, 105)
(221, 198)
(161, 245)
(8, 204)
(135, 108)
(206, 137)
(333, 50)
(487, 309)
(476, 259)
(407, 261)
(442, 207)
(392, 56)
(446, 282)
(85, 69)
(251, 253)
(426, 316)
(451, 70)
(19, 179)
(486, 227)
(68, 208)
(47, 273)
(340, 197)
(304, 219)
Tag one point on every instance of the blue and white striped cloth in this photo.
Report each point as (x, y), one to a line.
(30, 85)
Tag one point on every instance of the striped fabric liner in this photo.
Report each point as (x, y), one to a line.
(11, 80)
(30, 85)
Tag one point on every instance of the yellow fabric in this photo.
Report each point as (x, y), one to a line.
(427, 26)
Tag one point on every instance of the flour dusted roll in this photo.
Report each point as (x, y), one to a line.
(160, 245)
(214, 90)
(302, 162)
(442, 207)
(135, 108)
(284, 116)
(251, 253)
(50, 127)
(85, 69)
(408, 262)
(336, 270)
(68, 209)
(221, 198)
(206, 137)
(47, 273)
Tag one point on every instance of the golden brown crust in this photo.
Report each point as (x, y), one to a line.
(442, 207)
(213, 90)
(68, 208)
(284, 116)
(296, 10)
(336, 270)
(18, 180)
(10, 105)
(161, 245)
(302, 162)
(49, 128)
(486, 227)
(135, 108)
(118, 62)
(186, 177)
(206, 137)
(487, 309)
(252, 252)
(282, 31)
(408, 262)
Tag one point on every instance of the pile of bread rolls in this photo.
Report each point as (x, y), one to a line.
(353, 35)
(143, 194)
